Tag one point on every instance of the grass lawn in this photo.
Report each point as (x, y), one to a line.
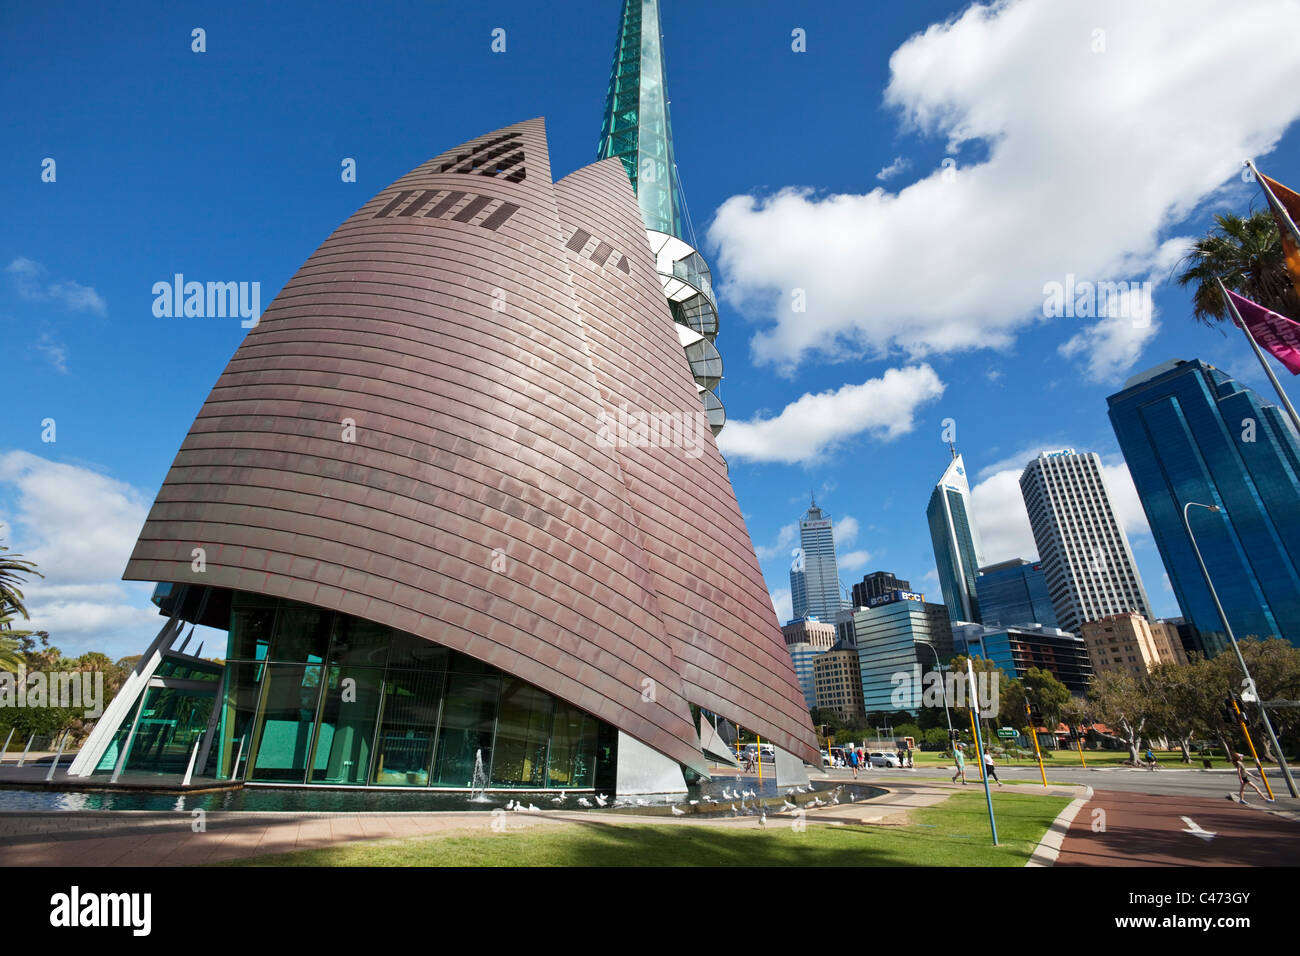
(1069, 758)
(954, 833)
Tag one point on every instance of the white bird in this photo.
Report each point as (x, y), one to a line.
(762, 820)
(787, 805)
(726, 794)
(584, 802)
(518, 808)
(678, 813)
(642, 803)
(601, 799)
(510, 805)
(695, 803)
(734, 810)
(751, 794)
(558, 800)
(533, 809)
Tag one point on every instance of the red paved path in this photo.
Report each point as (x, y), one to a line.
(1146, 830)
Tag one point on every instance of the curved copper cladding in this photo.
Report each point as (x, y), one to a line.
(729, 646)
(471, 502)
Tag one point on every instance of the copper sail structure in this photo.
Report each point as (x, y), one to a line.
(637, 130)
(465, 433)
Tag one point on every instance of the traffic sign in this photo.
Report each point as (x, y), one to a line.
(1007, 733)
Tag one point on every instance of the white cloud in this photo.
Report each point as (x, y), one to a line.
(30, 279)
(853, 561)
(782, 604)
(785, 540)
(813, 425)
(1092, 155)
(55, 352)
(79, 527)
(845, 531)
(900, 164)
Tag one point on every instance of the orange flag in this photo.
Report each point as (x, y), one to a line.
(1285, 204)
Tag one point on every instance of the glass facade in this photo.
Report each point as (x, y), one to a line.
(887, 638)
(315, 697)
(1015, 649)
(170, 718)
(956, 552)
(1015, 592)
(1191, 433)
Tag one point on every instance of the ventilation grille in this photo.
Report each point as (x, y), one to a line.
(501, 157)
(441, 209)
(601, 255)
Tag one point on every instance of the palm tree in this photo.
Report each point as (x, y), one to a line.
(13, 569)
(1247, 255)
(11, 653)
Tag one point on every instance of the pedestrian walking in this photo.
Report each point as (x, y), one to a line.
(1238, 761)
(853, 762)
(909, 757)
(989, 768)
(960, 759)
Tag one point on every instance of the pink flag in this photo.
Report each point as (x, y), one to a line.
(1274, 333)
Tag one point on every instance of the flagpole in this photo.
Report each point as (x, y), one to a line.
(1274, 205)
(1241, 324)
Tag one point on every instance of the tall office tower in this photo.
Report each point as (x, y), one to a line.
(798, 585)
(804, 641)
(877, 584)
(1084, 552)
(1015, 592)
(498, 577)
(956, 542)
(637, 130)
(1192, 434)
(821, 573)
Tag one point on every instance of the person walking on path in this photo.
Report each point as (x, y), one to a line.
(960, 758)
(989, 768)
(1238, 761)
(853, 762)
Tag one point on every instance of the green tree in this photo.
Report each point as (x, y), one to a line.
(1120, 699)
(14, 569)
(1247, 255)
(1048, 694)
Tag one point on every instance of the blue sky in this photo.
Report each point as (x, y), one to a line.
(919, 173)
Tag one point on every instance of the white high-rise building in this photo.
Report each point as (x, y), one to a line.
(1083, 550)
(815, 587)
(956, 542)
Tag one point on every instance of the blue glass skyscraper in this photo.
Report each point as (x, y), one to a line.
(1191, 433)
(1015, 592)
(956, 544)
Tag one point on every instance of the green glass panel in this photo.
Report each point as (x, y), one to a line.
(409, 728)
(283, 736)
(171, 723)
(524, 719)
(237, 710)
(573, 748)
(468, 717)
(302, 634)
(360, 643)
(250, 633)
(349, 707)
(407, 650)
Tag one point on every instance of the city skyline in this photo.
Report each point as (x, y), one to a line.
(853, 392)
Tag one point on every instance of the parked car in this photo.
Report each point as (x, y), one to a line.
(826, 759)
(881, 759)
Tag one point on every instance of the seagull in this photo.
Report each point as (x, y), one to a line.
(726, 794)
(750, 793)
(601, 799)
(695, 803)
(584, 802)
(678, 813)
(510, 805)
(787, 805)
(642, 803)
(762, 820)
(518, 808)
(734, 811)
(533, 809)
(558, 800)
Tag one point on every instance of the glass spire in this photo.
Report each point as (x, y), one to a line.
(637, 128)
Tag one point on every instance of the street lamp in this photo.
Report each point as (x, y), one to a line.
(1277, 748)
(943, 690)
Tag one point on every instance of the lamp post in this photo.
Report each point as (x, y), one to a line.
(1268, 725)
(943, 690)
